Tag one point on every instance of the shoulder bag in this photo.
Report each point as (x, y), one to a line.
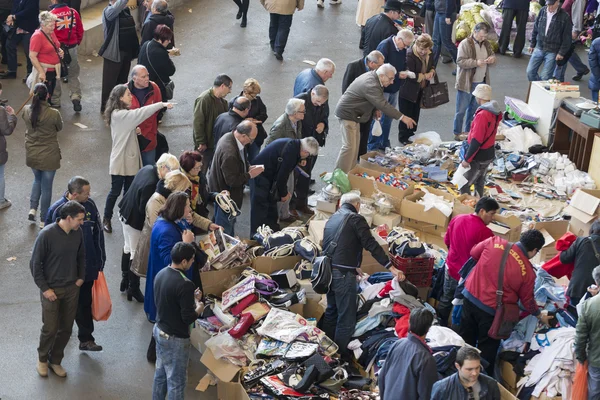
(435, 94)
(169, 86)
(507, 315)
(321, 275)
(64, 68)
(65, 46)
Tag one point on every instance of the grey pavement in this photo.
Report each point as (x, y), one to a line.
(211, 42)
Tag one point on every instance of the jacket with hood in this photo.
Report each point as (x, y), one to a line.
(558, 39)
(451, 388)
(482, 136)
(41, 144)
(63, 24)
(155, 20)
(149, 126)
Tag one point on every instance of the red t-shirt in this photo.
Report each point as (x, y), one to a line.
(41, 45)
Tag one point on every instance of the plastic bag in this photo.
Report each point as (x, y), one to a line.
(101, 303)
(224, 346)
(338, 178)
(459, 176)
(580, 384)
(429, 138)
(376, 128)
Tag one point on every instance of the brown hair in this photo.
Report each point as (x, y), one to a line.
(424, 41)
(252, 86)
(174, 208)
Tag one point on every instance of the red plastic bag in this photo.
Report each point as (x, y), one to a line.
(580, 384)
(101, 304)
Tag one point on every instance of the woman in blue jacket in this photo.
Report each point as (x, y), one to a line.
(594, 62)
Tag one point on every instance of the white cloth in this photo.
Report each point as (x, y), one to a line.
(371, 291)
(549, 16)
(131, 237)
(439, 336)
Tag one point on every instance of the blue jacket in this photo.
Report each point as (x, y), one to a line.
(165, 234)
(395, 57)
(306, 81)
(450, 388)
(594, 61)
(93, 236)
(269, 158)
(26, 14)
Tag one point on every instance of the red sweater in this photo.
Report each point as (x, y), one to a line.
(464, 232)
(149, 127)
(519, 276)
(63, 13)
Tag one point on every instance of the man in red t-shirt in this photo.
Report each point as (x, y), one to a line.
(464, 232)
(69, 31)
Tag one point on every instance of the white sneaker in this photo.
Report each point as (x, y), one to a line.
(335, 2)
(31, 216)
(42, 224)
(320, 4)
(5, 203)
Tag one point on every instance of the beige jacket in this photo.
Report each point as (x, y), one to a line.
(467, 64)
(283, 7)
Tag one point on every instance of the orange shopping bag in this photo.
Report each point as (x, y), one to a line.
(101, 304)
(580, 384)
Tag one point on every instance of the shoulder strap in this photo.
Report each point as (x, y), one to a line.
(150, 62)
(595, 249)
(71, 25)
(500, 290)
(333, 244)
(53, 45)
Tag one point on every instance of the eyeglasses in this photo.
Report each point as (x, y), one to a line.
(301, 112)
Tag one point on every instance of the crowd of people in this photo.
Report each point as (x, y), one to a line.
(167, 200)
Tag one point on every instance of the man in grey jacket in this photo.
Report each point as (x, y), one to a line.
(362, 100)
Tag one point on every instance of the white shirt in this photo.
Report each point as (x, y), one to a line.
(241, 149)
(549, 16)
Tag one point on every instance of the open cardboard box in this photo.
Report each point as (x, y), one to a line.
(414, 216)
(505, 394)
(369, 264)
(512, 233)
(368, 186)
(316, 230)
(509, 377)
(198, 338)
(364, 162)
(267, 265)
(552, 230)
(583, 208)
(231, 391)
(216, 282)
(460, 208)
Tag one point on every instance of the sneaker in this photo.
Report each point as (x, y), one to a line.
(42, 224)
(76, 105)
(107, 225)
(5, 204)
(579, 76)
(42, 368)
(278, 56)
(89, 346)
(320, 4)
(335, 2)
(58, 370)
(31, 216)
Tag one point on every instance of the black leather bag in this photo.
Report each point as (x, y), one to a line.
(322, 275)
(434, 95)
(65, 48)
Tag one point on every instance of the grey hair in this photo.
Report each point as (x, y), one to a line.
(325, 64)
(160, 5)
(293, 106)
(482, 26)
(350, 198)
(596, 275)
(46, 18)
(321, 92)
(169, 161)
(386, 69)
(310, 145)
(406, 35)
(375, 56)
(135, 69)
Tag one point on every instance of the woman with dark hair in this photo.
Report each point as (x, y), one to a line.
(191, 164)
(242, 11)
(125, 156)
(42, 153)
(257, 113)
(155, 57)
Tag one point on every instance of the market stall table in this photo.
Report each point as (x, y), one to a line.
(577, 146)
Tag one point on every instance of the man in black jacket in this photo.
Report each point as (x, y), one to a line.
(159, 15)
(511, 10)
(382, 26)
(23, 19)
(279, 159)
(231, 170)
(227, 121)
(353, 235)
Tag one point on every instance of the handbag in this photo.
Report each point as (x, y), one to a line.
(507, 315)
(321, 275)
(169, 86)
(65, 48)
(434, 95)
(64, 68)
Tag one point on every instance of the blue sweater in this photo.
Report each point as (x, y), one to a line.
(93, 236)
(269, 158)
(26, 14)
(165, 234)
(306, 81)
(395, 57)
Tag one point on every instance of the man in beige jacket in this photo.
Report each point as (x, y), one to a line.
(281, 13)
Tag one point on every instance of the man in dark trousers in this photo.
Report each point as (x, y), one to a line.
(382, 26)
(410, 371)
(355, 69)
(353, 235)
(177, 307)
(58, 269)
(279, 159)
(23, 19)
(227, 121)
(511, 10)
(78, 190)
(231, 170)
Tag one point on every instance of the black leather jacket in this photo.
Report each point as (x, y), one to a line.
(450, 388)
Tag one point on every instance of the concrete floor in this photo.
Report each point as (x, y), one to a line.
(211, 42)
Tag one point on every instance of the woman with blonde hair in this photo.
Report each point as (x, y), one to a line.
(256, 114)
(45, 54)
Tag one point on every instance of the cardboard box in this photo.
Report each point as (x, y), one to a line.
(391, 220)
(368, 186)
(369, 264)
(316, 230)
(223, 370)
(543, 396)
(285, 278)
(430, 238)
(313, 308)
(297, 309)
(231, 391)
(552, 230)
(414, 215)
(579, 228)
(364, 162)
(216, 282)
(505, 394)
(509, 378)
(584, 209)
(266, 265)
(460, 208)
(512, 233)
(198, 338)
(326, 206)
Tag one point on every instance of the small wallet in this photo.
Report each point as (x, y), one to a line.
(242, 326)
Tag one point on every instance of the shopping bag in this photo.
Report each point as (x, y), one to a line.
(376, 128)
(580, 384)
(434, 95)
(101, 304)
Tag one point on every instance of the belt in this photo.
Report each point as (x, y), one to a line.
(344, 270)
(165, 335)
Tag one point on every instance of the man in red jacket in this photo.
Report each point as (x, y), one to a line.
(144, 92)
(464, 232)
(69, 31)
(482, 139)
(479, 306)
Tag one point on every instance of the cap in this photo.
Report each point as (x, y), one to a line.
(483, 91)
(394, 5)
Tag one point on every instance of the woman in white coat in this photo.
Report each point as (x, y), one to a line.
(125, 156)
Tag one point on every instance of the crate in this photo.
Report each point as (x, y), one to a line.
(418, 271)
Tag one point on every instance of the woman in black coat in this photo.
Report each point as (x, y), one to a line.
(155, 57)
(258, 112)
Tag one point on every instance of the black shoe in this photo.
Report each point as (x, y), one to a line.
(454, 73)
(278, 56)
(311, 192)
(244, 23)
(65, 80)
(239, 14)
(519, 55)
(312, 181)
(134, 292)
(502, 52)
(89, 346)
(77, 105)
(8, 75)
(446, 60)
(125, 263)
(107, 225)
(579, 76)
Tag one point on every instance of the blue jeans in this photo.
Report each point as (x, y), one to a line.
(42, 187)
(595, 95)
(575, 61)
(593, 383)
(222, 219)
(465, 103)
(279, 30)
(539, 57)
(442, 36)
(149, 157)
(172, 356)
(340, 316)
(116, 183)
(11, 51)
(2, 184)
(383, 141)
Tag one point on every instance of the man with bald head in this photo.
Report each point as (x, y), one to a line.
(143, 93)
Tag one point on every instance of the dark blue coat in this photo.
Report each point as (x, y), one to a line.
(269, 156)
(516, 4)
(93, 236)
(306, 81)
(451, 388)
(26, 14)
(594, 61)
(395, 57)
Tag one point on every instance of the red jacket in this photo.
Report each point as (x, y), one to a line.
(149, 127)
(63, 13)
(482, 135)
(553, 266)
(519, 277)
(464, 232)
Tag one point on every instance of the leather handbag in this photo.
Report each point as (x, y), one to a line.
(321, 275)
(169, 86)
(240, 329)
(243, 304)
(435, 94)
(507, 315)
